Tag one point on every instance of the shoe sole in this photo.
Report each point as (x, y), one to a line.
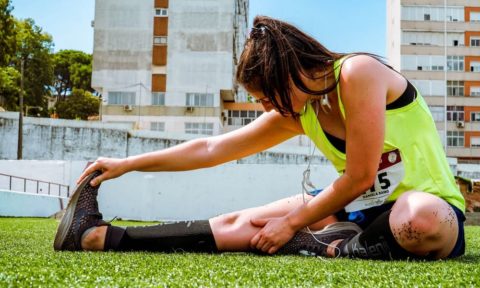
(67, 219)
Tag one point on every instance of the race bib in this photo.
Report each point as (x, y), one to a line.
(390, 174)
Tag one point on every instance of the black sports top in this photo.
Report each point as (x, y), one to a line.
(406, 98)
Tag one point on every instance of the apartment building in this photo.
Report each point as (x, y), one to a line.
(436, 44)
(168, 65)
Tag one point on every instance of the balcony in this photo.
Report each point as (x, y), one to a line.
(439, 26)
(453, 126)
(440, 75)
(439, 50)
(463, 152)
(452, 101)
(135, 110)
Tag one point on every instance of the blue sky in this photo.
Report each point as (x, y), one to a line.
(341, 25)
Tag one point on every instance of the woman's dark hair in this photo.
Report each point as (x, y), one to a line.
(276, 54)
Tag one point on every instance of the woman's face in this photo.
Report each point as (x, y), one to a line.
(299, 99)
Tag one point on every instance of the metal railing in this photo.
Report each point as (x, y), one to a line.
(22, 184)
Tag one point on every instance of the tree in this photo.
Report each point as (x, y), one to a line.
(72, 69)
(79, 105)
(9, 88)
(7, 33)
(34, 49)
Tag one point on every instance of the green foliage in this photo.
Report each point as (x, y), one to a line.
(79, 105)
(9, 88)
(72, 69)
(23, 42)
(7, 33)
(34, 49)
(27, 259)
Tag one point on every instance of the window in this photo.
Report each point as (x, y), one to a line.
(200, 99)
(161, 12)
(475, 41)
(438, 113)
(475, 142)
(423, 62)
(455, 113)
(160, 40)
(121, 98)
(157, 126)
(454, 13)
(199, 128)
(158, 98)
(475, 16)
(474, 66)
(455, 88)
(241, 118)
(475, 116)
(455, 63)
(430, 87)
(455, 139)
(432, 13)
(475, 91)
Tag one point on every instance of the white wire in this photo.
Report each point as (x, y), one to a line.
(306, 182)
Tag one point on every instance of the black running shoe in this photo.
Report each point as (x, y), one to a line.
(316, 243)
(81, 214)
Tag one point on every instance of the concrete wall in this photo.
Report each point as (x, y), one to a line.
(8, 135)
(17, 204)
(51, 139)
(198, 194)
(61, 172)
(204, 193)
(54, 139)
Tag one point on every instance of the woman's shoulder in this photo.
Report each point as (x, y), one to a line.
(354, 64)
(363, 67)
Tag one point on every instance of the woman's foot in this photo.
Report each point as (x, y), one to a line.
(81, 214)
(320, 243)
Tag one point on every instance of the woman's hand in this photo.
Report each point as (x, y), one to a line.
(275, 233)
(110, 168)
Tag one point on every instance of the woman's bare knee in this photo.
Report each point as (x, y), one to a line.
(423, 223)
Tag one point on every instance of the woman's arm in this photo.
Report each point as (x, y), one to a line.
(268, 130)
(363, 90)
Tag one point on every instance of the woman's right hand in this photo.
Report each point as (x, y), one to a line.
(110, 168)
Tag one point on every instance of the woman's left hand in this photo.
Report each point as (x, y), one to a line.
(275, 233)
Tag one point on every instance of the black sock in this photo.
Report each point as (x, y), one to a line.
(375, 242)
(189, 236)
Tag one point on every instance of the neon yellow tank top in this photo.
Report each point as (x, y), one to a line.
(410, 134)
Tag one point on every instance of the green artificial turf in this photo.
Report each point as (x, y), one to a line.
(27, 259)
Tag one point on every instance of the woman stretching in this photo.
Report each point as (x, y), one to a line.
(395, 196)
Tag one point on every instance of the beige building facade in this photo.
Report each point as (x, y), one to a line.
(168, 65)
(436, 45)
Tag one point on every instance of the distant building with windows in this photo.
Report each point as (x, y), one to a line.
(169, 65)
(436, 45)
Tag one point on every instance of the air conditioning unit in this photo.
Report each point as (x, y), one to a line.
(190, 109)
(461, 124)
(128, 108)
